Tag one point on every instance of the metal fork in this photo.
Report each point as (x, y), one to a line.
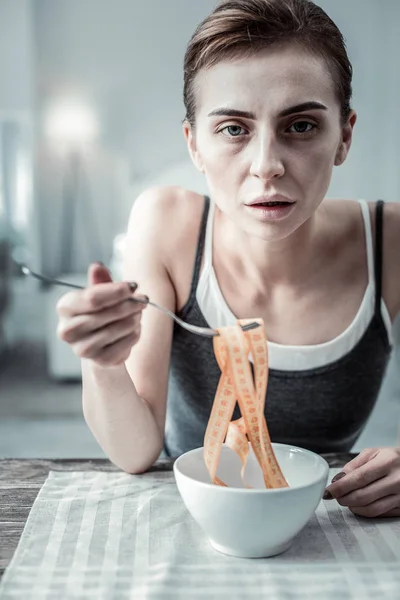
(204, 331)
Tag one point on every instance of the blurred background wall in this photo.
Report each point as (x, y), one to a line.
(90, 114)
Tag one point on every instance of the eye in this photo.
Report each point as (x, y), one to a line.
(232, 130)
(301, 127)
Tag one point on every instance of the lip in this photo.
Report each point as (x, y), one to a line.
(270, 198)
(270, 213)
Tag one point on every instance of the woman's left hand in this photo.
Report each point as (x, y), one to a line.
(369, 484)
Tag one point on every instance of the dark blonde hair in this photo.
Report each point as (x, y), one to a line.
(238, 28)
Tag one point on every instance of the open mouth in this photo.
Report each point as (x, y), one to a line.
(272, 209)
(266, 204)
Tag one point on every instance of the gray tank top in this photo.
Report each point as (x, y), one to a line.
(323, 409)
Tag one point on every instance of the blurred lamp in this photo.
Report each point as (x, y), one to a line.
(72, 122)
(71, 125)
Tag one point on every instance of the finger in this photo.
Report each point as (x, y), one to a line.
(98, 273)
(379, 508)
(93, 345)
(94, 299)
(360, 460)
(73, 329)
(118, 352)
(374, 469)
(381, 488)
(391, 513)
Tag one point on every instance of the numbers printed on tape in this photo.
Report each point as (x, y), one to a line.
(232, 348)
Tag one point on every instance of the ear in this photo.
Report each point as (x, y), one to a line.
(345, 142)
(190, 137)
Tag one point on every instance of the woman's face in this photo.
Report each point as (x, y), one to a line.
(253, 139)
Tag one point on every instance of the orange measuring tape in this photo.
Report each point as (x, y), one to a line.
(232, 348)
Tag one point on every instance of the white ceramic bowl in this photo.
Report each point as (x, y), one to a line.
(258, 522)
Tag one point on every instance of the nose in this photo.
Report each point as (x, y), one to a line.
(266, 160)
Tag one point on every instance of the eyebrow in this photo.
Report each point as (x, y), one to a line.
(233, 112)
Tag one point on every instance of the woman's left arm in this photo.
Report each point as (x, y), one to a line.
(370, 484)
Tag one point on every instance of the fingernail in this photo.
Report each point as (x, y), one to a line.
(327, 495)
(132, 286)
(147, 299)
(338, 476)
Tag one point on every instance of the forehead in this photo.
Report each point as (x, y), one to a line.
(269, 80)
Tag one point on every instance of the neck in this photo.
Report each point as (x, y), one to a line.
(287, 262)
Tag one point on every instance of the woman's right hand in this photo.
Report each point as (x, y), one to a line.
(99, 323)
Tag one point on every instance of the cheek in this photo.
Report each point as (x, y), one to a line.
(316, 174)
(313, 163)
(222, 162)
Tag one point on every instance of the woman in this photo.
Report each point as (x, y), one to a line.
(267, 93)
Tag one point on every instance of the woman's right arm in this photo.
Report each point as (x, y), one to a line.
(125, 381)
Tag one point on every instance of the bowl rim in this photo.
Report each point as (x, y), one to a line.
(232, 489)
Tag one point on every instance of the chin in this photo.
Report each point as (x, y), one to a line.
(266, 232)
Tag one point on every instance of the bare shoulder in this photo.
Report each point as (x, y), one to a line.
(165, 201)
(166, 216)
(161, 239)
(391, 254)
(346, 214)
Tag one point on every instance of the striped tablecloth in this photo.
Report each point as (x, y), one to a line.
(113, 536)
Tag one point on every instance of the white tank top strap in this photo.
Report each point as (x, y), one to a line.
(368, 239)
(208, 244)
(283, 357)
